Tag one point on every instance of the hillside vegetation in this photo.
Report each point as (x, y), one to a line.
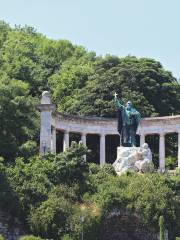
(50, 195)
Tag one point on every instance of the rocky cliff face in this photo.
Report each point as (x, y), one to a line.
(123, 226)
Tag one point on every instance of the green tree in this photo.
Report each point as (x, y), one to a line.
(54, 53)
(49, 220)
(70, 166)
(21, 61)
(18, 116)
(72, 76)
(137, 194)
(141, 80)
(32, 179)
(4, 30)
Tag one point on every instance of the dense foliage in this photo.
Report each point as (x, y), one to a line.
(141, 80)
(79, 82)
(54, 202)
(55, 196)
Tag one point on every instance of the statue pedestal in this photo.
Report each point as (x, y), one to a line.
(138, 159)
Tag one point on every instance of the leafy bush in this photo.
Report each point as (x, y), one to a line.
(70, 166)
(29, 237)
(1, 237)
(49, 220)
(28, 149)
(108, 169)
(32, 180)
(86, 218)
(139, 194)
(171, 162)
(66, 237)
(94, 168)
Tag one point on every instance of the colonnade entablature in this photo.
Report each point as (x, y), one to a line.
(52, 121)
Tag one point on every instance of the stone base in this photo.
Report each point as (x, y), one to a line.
(138, 159)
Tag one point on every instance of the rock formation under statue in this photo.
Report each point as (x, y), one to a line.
(138, 159)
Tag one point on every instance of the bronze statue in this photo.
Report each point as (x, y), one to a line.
(128, 121)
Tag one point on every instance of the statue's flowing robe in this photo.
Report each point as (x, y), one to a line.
(127, 125)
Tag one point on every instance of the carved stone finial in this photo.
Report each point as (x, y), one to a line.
(45, 98)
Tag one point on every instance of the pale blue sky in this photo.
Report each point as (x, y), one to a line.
(149, 28)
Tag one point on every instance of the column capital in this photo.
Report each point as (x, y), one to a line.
(102, 134)
(83, 133)
(66, 132)
(162, 134)
(46, 107)
(142, 133)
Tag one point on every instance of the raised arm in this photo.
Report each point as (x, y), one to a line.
(117, 101)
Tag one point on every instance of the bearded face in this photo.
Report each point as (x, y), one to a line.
(129, 105)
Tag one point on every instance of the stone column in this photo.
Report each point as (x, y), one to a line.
(83, 140)
(179, 149)
(53, 144)
(66, 141)
(46, 109)
(142, 139)
(162, 152)
(102, 149)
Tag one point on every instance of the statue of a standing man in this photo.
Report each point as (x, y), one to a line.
(128, 121)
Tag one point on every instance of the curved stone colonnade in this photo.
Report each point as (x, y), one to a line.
(51, 121)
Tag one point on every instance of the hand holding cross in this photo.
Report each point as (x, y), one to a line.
(115, 95)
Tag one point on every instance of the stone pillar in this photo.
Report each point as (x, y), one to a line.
(46, 109)
(102, 149)
(142, 139)
(53, 144)
(66, 141)
(83, 140)
(179, 149)
(162, 152)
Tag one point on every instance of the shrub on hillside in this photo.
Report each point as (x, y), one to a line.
(49, 220)
(1, 237)
(29, 237)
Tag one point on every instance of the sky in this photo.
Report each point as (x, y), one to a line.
(143, 28)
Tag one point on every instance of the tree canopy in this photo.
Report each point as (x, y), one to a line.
(143, 81)
(79, 82)
(51, 194)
